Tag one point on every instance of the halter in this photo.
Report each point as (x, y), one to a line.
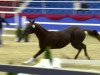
(33, 26)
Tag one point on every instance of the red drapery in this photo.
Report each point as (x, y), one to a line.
(30, 15)
(57, 16)
(81, 17)
(97, 16)
(54, 16)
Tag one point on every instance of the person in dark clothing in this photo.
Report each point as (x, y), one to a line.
(19, 33)
(2, 20)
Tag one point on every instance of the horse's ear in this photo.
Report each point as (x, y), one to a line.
(33, 21)
(29, 21)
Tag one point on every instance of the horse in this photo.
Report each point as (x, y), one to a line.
(59, 39)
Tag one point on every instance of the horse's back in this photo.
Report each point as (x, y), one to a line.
(73, 27)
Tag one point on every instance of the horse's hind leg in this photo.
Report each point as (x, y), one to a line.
(80, 46)
(85, 51)
(77, 54)
(77, 46)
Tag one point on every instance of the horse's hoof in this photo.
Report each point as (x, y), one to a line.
(88, 58)
(26, 63)
(30, 61)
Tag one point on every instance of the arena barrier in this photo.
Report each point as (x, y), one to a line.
(43, 70)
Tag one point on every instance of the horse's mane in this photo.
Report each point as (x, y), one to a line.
(40, 27)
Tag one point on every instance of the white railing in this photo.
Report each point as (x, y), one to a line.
(54, 1)
(51, 8)
(43, 8)
(66, 1)
(10, 0)
(16, 17)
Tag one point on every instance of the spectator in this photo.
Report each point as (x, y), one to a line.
(2, 20)
(78, 6)
(19, 32)
(19, 35)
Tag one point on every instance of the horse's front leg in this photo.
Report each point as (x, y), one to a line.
(34, 57)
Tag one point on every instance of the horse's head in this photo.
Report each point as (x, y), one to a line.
(30, 27)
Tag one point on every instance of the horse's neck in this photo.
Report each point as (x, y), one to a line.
(41, 32)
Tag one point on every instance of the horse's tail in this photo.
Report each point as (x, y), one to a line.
(93, 33)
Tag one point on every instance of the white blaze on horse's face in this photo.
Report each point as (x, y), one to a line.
(33, 26)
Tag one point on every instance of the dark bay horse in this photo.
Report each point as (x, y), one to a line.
(59, 39)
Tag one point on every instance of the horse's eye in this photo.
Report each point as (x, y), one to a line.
(33, 26)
